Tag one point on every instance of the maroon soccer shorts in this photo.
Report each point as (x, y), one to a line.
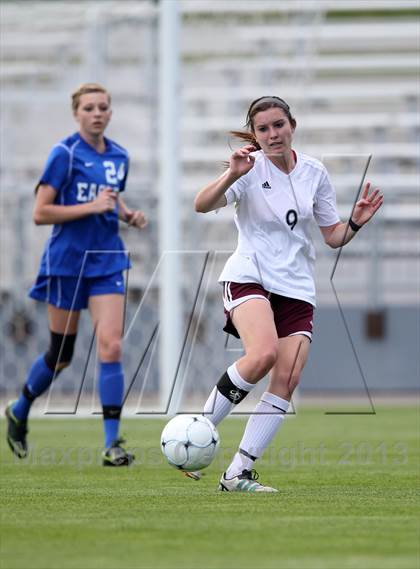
(291, 315)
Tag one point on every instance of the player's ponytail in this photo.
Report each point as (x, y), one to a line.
(246, 136)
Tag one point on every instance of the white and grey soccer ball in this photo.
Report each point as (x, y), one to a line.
(189, 442)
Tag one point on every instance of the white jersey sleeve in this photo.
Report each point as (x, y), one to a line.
(325, 205)
(235, 192)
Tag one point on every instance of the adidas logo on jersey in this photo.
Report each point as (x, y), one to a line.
(266, 186)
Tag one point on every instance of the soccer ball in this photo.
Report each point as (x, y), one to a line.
(189, 442)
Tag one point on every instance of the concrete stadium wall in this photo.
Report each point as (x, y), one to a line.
(389, 363)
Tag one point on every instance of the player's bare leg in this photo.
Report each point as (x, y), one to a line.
(62, 321)
(293, 353)
(255, 323)
(254, 314)
(270, 412)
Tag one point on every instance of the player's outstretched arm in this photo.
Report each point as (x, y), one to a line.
(341, 233)
(46, 212)
(212, 196)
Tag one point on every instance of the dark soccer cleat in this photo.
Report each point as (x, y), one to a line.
(16, 433)
(116, 455)
(245, 482)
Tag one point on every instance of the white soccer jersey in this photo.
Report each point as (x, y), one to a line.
(273, 215)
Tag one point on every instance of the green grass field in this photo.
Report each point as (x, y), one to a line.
(349, 498)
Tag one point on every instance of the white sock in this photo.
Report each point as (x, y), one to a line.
(217, 406)
(260, 430)
(237, 379)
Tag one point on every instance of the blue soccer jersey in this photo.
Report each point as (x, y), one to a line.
(90, 246)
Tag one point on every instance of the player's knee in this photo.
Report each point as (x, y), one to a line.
(110, 349)
(60, 351)
(269, 357)
(263, 360)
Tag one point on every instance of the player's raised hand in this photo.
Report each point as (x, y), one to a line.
(136, 219)
(105, 201)
(367, 206)
(241, 160)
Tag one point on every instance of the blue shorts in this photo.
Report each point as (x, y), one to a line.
(72, 293)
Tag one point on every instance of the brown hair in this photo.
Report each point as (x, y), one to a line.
(257, 106)
(83, 90)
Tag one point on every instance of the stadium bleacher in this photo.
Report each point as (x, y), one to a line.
(349, 69)
(352, 83)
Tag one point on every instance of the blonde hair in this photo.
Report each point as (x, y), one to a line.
(83, 90)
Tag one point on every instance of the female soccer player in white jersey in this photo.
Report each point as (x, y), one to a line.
(268, 282)
(82, 264)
